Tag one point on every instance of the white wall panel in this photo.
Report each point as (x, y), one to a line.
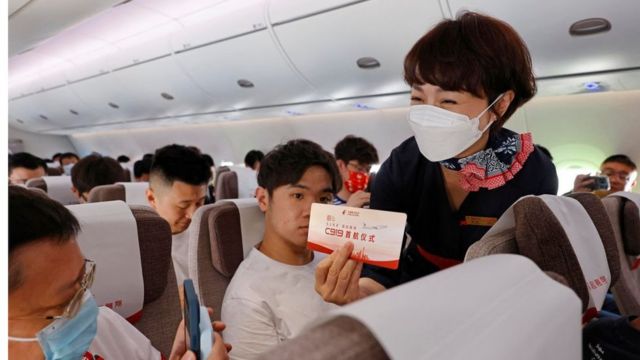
(40, 145)
(325, 47)
(544, 25)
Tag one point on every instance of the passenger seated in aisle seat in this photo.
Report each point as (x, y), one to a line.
(622, 173)
(52, 314)
(252, 159)
(271, 297)
(462, 169)
(177, 188)
(67, 161)
(211, 187)
(141, 170)
(612, 339)
(92, 171)
(354, 156)
(24, 166)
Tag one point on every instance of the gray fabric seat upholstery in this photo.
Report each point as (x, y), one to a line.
(111, 192)
(227, 186)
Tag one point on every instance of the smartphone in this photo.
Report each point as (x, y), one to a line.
(600, 182)
(191, 317)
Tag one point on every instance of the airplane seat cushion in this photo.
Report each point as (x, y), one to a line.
(106, 193)
(227, 187)
(342, 337)
(500, 243)
(154, 238)
(598, 214)
(631, 223)
(226, 238)
(541, 238)
(127, 175)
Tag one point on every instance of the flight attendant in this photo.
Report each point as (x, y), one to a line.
(462, 169)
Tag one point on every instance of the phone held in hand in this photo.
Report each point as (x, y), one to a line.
(191, 315)
(600, 182)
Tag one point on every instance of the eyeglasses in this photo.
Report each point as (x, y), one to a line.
(359, 168)
(622, 175)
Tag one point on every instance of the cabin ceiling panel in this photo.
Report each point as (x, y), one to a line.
(57, 105)
(325, 47)
(218, 67)
(176, 9)
(554, 51)
(286, 10)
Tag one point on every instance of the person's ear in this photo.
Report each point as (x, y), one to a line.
(262, 195)
(151, 197)
(503, 104)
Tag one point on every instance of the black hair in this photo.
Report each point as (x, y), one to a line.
(356, 148)
(252, 157)
(69, 155)
(56, 155)
(179, 163)
(147, 156)
(622, 159)
(209, 160)
(95, 170)
(287, 163)
(123, 159)
(25, 160)
(142, 167)
(32, 218)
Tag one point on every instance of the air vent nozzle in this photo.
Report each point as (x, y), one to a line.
(73, 112)
(244, 83)
(589, 26)
(368, 62)
(114, 105)
(167, 96)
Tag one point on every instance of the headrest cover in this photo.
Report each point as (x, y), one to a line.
(59, 189)
(251, 223)
(109, 237)
(489, 308)
(136, 193)
(630, 221)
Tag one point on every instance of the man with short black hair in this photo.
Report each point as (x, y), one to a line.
(177, 188)
(253, 158)
(92, 171)
(354, 156)
(620, 169)
(24, 166)
(271, 296)
(52, 313)
(141, 169)
(67, 161)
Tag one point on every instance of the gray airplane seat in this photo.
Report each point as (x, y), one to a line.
(220, 237)
(622, 208)
(495, 307)
(561, 237)
(227, 185)
(131, 193)
(54, 171)
(57, 188)
(127, 174)
(131, 246)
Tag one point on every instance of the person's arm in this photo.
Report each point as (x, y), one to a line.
(250, 328)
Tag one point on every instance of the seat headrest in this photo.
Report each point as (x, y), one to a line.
(109, 237)
(101, 193)
(57, 187)
(227, 185)
(489, 308)
(625, 207)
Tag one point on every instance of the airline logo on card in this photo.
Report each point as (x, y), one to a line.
(376, 235)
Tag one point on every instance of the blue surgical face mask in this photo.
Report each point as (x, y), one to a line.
(67, 169)
(68, 339)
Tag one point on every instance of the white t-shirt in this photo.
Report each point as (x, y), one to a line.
(118, 339)
(180, 255)
(268, 302)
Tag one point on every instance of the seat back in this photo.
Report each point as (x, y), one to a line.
(132, 249)
(220, 237)
(127, 174)
(623, 211)
(131, 193)
(54, 171)
(559, 235)
(227, 186)
(489, 308)
(57, 188)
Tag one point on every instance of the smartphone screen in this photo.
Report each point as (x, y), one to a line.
(191, 317)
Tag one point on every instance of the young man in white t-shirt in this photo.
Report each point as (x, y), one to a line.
(52, 314)
(177, 188)
(271, 296)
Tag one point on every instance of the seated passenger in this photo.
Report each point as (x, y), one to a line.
(622, 173)
(271, 297)
(56, 158)
(141, 170)
(354, 156)
(92, 171)
(177, 188)
(252, 159)
(211, 187)
(24, 166)
(52, 314)
(612, 339)
(462, 169)
(67, 161)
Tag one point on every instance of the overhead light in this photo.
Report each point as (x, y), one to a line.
(293, 113)
(592, 86)
(73, 112)
(244, 83)
(226, 163)
(589, 26)
(43, 117)
(115, 106)
(167, 96)
(362, 106)
(368, 62)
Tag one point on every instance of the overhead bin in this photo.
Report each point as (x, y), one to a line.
(566, 54)
(287, 10)
(325, 47)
